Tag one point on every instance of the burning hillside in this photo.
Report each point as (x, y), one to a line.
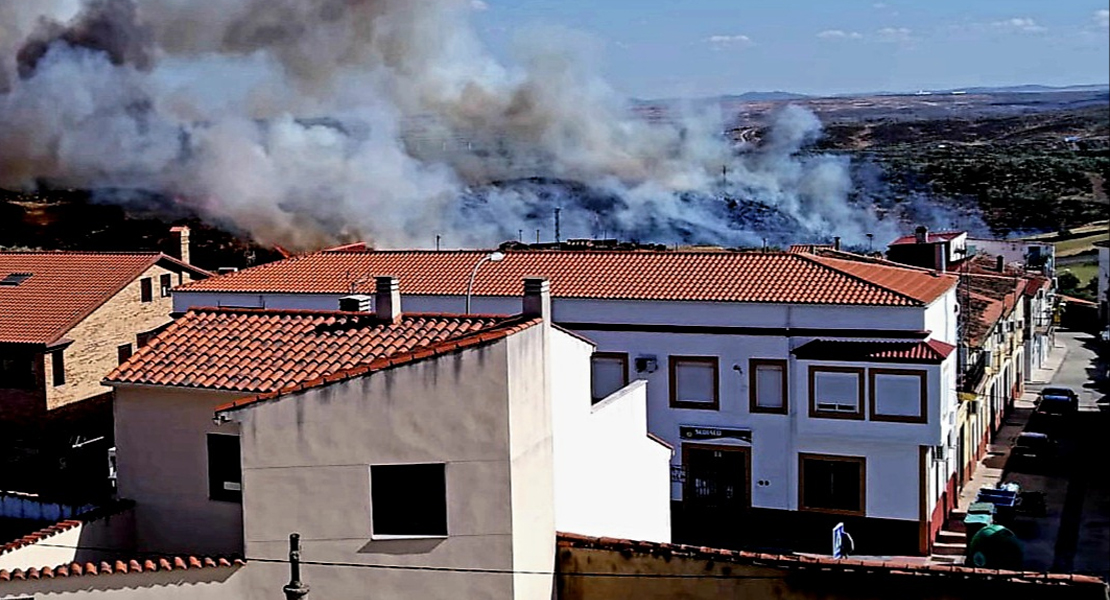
(306, 121)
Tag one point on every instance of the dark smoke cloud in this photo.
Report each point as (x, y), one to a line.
(309, 121)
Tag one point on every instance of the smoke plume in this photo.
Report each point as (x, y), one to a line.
(304, 122)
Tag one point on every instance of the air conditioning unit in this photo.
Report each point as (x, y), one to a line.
(646, 364)
(940, 453)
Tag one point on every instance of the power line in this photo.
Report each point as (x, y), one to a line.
(427, 568)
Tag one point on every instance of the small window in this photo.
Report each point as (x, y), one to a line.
(694, 382)
(836, 392)
(834, 484)
(408, 500)
(165, 284)
(608, 373)
(225, 478)
(767, 389)
(123, 353)
(899, 395)
(14, 279)
(58, 367)
(147, 289)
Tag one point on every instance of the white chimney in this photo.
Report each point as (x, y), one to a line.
(940, 261)
(181, 232)
(387, 299)
(537, 299)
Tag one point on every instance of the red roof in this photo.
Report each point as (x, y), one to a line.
(63, 288)
(928, 352)
(930, 238)
(772, 277)
(121, 566)
(260, 350)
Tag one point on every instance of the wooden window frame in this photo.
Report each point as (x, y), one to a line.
(860, 460)
(814, 413)
(146, 290)
(923, 414)
(673, 363)
(753, 404)
(165, 284)
(621, 356)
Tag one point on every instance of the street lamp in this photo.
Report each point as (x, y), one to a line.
(492, 257)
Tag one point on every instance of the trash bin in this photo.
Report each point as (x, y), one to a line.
(995, 547)
(981, 508)
(975, 522)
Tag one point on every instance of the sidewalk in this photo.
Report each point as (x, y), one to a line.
(991, 471)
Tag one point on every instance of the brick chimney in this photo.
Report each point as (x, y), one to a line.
(922, 234)
(181, 232)
(387, 299)
(537, 299)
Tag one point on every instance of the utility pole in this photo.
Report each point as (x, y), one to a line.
(295, 590)
(437, 242)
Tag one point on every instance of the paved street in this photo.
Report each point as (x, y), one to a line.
(1074, 535)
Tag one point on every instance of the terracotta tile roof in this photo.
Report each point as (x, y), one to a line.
(122, 566)
(808, 248)
(928, 352)
(64, 287)
(827, 564)
(930, 238)
(769, 277)
(266, 350)
(502, 330)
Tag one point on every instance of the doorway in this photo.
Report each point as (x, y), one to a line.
(716, 492)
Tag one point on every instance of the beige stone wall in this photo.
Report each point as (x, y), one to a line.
(96, 339)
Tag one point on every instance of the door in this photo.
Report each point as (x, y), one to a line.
(716, 492)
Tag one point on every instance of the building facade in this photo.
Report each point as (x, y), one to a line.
(66, 320)
(715, 336)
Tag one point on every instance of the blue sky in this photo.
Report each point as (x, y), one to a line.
(667, 48)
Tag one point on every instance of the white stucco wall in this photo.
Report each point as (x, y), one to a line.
(306, 460)
(611, 479)
(162, 464)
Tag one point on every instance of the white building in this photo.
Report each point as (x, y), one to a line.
(440, 452)
(775, 442)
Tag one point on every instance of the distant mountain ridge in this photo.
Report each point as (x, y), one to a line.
(784, 96)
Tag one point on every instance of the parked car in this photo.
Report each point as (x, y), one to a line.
(1033, 446)
(1058, 401)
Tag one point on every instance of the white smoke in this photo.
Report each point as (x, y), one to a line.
(309, 121)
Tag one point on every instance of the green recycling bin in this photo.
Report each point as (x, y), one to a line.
(974, 522)
(982, 508)
(995, 547)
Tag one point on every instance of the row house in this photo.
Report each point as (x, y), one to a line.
(798, 390)
(67, 319)
(424, 446)
(1005, 328)
(992, 349)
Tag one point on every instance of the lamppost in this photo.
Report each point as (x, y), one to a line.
(492, 257)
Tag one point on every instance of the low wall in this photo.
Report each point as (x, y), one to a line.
(607, 569)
